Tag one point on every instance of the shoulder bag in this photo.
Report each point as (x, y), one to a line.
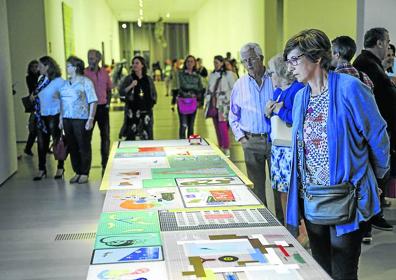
(186, 105)
(59, 148)
(281, 132)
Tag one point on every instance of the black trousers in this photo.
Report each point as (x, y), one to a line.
(43, 139)
(186, 123)
(103, 120)
(32, 132)
(78, 141)
(337, 255)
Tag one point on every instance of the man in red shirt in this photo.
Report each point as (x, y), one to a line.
(102, 84)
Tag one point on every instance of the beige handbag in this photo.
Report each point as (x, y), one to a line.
(281, 133)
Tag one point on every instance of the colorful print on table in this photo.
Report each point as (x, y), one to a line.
(113, 223)
(128, 271)
(127, 240)
(142, 199)
(248, 253)
(186, 182)
(158, 143)
(135, 254)
(205, 161)
(217, 196)
(140, 162)
(185, 172)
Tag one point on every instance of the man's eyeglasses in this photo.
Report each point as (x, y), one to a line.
(294, 60)
(250, 60)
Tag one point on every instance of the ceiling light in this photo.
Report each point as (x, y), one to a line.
(168, 15)
(124, 25)
(139, 23)
(141, 12)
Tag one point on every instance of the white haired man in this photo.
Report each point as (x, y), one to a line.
(248, 122)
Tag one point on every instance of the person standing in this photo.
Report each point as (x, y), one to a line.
(31, 81)
(78, 107)
(140, 98)
(340, 145)
(47, 110)
(217, 102)
(102, 83)
(189, 95)
(247, 119)
(369, 61)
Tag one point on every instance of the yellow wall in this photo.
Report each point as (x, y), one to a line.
(335, 17)
(93, 23)
(225, 25)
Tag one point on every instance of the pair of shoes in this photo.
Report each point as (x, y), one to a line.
(173, 108)
(380, 223)
(59, 173)
(367, 238)
(83, 179)
(28, 152)
(41, 174)
(74, 179)
(227, 152)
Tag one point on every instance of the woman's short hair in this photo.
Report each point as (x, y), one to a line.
(256, 48)
(345, 46)
(314, 44)
(30, 65)
(78, 63)
(185, 62)
(278, 65)
(53, 67)
(373, 35)
(142, 61)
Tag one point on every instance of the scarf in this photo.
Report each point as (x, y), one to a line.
(42, 83)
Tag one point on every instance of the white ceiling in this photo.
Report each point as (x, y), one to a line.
(180, 10)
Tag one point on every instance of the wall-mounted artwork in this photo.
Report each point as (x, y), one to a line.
(68, 30)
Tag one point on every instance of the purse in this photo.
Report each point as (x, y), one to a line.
(281, 132)
(187, 106)
(27, 104)
(212, 111)
(330, 205)
(59, 148)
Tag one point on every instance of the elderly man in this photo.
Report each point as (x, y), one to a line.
(247, 119)
(102, 84)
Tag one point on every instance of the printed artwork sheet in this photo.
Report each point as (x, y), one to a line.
(128, 178)
(140, 162)
(135, 254)
(186, 182)
(127, 240)
(215, 196)
(128, 271)
(142, 199)
(159, 143)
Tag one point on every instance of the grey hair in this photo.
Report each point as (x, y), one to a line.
(256, 48)
(278, 65)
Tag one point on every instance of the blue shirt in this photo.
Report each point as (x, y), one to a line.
(76, 97)
(287, 97)
(49, 97)
(247, 106)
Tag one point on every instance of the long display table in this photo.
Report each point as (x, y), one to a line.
(174, 210)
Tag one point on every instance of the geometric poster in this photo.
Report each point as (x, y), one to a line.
(218, 196)
(113, 223)
(135, 254)
(249, 253)
(128, 271)
(142, 199)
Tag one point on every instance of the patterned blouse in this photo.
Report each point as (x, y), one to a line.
(76, 97)
(315, 147)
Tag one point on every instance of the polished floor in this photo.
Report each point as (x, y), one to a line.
(46, 227)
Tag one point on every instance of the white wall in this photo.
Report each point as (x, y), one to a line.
(8, 162)
(27, 42)
(225, 25)
(380, 13)
(93, 23)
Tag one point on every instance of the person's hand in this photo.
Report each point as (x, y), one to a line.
(269, 108)
(243, 140)
(276, 107)
(133, 84)
(60, 125)
(89, 124)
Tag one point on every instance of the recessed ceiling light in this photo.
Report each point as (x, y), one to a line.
(124, 25)
(168, 15)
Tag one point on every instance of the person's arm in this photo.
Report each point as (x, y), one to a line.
(234, 116)
(153, 91)
(367, 118)
(92, 101)
(109, 87)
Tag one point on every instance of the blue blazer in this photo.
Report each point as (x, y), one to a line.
(358, 146)
(287, 96)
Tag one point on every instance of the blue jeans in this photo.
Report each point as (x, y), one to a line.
(337, 255)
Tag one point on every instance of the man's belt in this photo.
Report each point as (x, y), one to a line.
(262, 135)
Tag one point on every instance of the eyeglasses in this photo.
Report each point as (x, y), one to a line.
(250, 60)
(294, 60)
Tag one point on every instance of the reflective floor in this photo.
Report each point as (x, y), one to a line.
(45, 226)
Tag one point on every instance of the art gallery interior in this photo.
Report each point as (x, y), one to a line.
(49, 227)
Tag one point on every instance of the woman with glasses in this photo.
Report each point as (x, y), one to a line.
(340, 146)
(78, 108)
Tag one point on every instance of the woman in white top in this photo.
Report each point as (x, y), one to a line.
(47, 110)
(78, 108)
